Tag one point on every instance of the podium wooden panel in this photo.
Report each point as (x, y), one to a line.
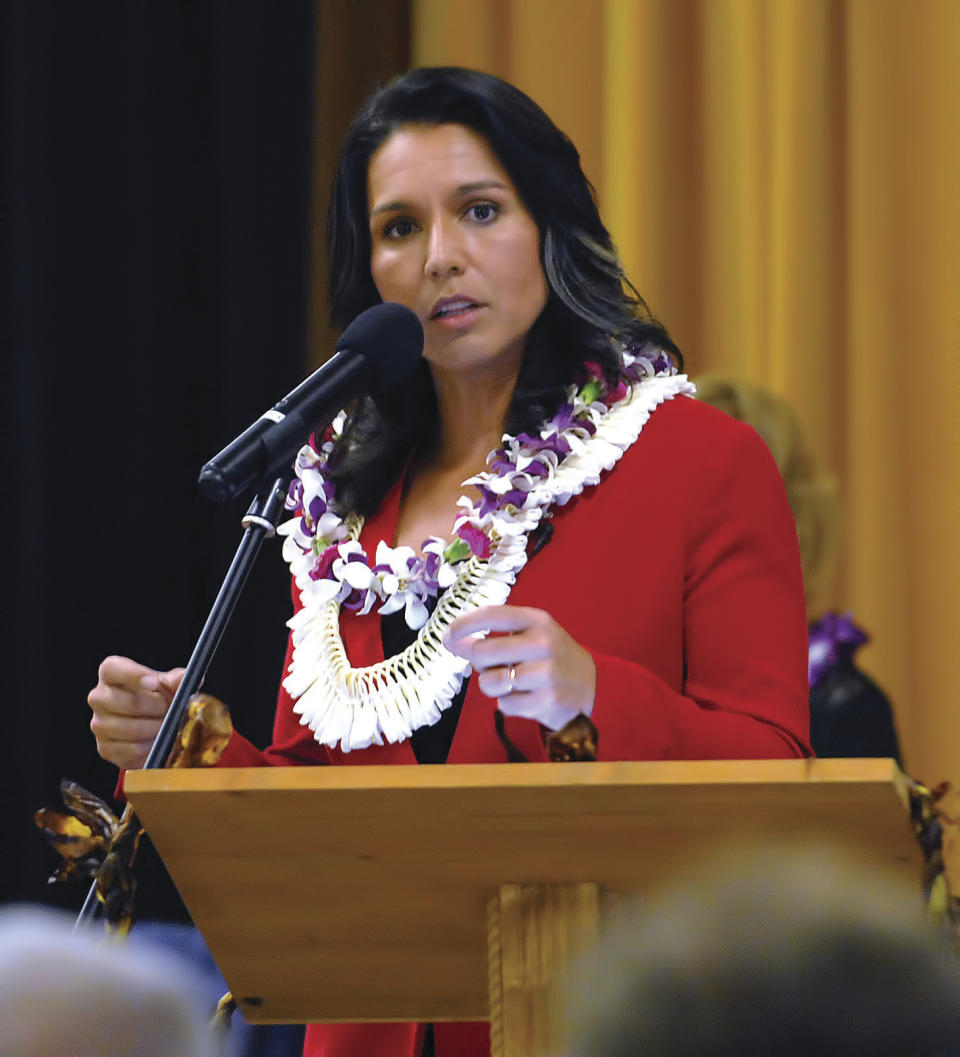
(362, 893)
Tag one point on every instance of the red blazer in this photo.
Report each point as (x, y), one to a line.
(680, 573)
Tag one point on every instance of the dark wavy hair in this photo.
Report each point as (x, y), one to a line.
(591, 305)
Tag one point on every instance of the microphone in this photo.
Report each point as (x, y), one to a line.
(379, 348)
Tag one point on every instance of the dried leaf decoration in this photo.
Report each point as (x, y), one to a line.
(97, 845)
(574, 743)
(928, 818)
(204, 735)
(75, 840)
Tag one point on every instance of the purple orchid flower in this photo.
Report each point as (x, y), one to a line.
(317, 508)
(321, 570)
(501, 464)
(552, 442)
(294, 500)
(535, 468)
(515, 497)
(563, 419)
(355, 600)
(489, 501)
(475, 538)
(431, 569)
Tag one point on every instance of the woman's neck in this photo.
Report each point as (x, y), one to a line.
(471, 417)
(470, 424)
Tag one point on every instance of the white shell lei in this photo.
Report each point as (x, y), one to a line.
(359, 707)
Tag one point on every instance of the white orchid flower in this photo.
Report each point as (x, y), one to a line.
(402, 581)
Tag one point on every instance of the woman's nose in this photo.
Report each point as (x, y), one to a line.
(444, 252)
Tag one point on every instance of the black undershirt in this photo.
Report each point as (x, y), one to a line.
(429, 744)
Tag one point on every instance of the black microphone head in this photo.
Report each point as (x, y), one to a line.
(390, 338)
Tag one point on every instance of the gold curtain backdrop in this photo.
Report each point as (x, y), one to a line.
(782, 178)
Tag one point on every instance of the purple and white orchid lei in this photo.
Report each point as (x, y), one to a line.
(329, 564)
(355, 707)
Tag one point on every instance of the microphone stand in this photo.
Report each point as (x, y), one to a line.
(260, 523)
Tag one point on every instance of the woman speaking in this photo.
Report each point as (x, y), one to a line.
(536, 547)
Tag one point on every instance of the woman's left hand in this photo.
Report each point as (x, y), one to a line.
(530, 665)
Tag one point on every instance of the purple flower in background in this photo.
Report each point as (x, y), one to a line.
(833, 638)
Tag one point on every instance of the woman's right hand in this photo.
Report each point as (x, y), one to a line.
(129, 703)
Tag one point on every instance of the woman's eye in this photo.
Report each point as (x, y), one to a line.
(398, 228)
(483, 212)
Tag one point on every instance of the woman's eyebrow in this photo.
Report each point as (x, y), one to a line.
(480, 185)
(400, 206)
(390, 207)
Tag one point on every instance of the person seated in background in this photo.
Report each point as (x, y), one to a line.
(79, 994)
(849, 714)
(183, 941)
(787, 952)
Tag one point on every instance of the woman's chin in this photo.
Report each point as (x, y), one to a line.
(470, 355)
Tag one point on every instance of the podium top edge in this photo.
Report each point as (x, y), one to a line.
(876, 770)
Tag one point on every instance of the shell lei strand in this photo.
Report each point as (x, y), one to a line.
(359, 707)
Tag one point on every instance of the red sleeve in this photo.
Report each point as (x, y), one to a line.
(743, 691)
(292, 744)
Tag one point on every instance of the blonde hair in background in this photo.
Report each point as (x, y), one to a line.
(812, 492)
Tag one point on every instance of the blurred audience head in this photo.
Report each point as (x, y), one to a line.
(793, 953)
(66, 994)
(811, 491)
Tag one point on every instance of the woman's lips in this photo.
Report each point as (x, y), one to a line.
(453, 309)
(455, 313)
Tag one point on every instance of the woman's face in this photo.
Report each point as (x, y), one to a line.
(452, 240)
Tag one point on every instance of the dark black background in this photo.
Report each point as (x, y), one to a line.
(155, 199)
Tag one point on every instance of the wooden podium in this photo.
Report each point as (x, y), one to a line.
(455, 892)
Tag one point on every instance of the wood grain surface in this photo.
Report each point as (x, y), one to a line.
(362, 893)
